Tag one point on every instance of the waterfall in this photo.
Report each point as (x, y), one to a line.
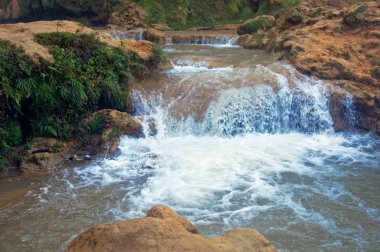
(282, 105)
(233, 138)
(203, 39)
(137, 34)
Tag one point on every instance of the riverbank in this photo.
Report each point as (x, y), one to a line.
(56, 74)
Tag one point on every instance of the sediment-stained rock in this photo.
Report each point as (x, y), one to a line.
(164, 230)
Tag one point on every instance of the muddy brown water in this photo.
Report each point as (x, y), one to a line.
(242, 140)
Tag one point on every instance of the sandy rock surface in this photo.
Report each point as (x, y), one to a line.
(22, 34)
(164, 230)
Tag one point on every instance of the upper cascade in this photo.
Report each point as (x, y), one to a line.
(257, 100)
(202, 39)
(137, 34)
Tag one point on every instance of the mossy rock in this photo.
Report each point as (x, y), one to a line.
(263, 22)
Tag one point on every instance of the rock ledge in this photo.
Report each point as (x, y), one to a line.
(164, 230)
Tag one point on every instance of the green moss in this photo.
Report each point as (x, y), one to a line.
(260, 22)
(181, 14)
(291, 3)
(355, 2)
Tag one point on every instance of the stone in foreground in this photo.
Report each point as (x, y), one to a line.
(164, 230)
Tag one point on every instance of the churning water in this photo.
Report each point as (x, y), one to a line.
(233, 139)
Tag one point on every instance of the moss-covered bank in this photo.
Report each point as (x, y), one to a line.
(180, 14)
(52, 99)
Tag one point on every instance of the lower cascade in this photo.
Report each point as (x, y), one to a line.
(233, 139)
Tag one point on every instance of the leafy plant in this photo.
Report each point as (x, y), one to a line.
(49, 100)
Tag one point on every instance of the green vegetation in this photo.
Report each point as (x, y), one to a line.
(354, 2)
(180, 14)
(49, 100)
(266, 8)
(261, 22)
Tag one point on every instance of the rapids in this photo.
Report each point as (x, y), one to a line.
(233, 138)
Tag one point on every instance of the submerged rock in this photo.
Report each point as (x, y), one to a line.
(163, 230)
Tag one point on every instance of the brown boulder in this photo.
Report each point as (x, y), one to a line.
(44, 155)
(116, 124)
(164, 230)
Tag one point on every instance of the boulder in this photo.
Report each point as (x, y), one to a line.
(43, 156)
(164, 230)
(116, 124)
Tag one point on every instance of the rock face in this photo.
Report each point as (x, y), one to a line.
(44, 155)
(123, 13)
(163, 230)
(339, 45)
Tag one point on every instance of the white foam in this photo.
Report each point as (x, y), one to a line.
(190, 67)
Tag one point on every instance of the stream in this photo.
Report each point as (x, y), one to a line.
(234, 138)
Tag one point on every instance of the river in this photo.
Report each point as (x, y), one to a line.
(233, 138)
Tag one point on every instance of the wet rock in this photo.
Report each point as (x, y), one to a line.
(164, 230)
(37, 163)
(155, 36)
(116, 124)
(340, 112)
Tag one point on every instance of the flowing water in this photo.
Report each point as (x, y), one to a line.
(234, 138)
